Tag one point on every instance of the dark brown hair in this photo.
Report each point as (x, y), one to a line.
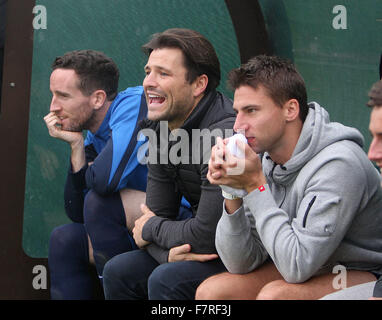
(375, 95)
(278, 76)
(95, 70)
(199, 54)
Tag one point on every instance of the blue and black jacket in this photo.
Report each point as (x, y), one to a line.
(113, 152)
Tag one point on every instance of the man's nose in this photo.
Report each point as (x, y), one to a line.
(150, 80)
(240, 125)
(375, 150)
(54, 106)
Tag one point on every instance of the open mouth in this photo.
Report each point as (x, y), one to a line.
(155, 99)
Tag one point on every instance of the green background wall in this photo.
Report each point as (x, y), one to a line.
(339, 66)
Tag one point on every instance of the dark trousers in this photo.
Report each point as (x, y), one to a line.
(105, 223)
(136, 275)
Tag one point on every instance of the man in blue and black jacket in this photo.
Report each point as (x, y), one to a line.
(106, 181)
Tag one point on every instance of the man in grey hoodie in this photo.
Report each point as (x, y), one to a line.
(313, 199)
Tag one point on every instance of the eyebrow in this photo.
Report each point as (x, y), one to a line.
(247, 107)
(157, 67)
(65, 94)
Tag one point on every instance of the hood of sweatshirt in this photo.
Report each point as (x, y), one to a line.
(317, 133)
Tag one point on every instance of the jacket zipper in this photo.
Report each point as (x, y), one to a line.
(307, 211)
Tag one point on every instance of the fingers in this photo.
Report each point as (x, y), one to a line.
(178, 253)
(183, 253)
(201, 257)
(215, 164)
(51, 121)
(185, 248)
(210, 179)
(51, 118)
(219, 152)
(48, 116)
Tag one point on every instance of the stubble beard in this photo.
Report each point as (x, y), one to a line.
(84, 123)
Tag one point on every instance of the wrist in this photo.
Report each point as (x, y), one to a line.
(261, 188)
(78, 158)
(77, 144)
(256, 184)
(229, 196)
(231, 206)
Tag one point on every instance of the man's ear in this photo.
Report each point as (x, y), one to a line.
(200, 85)
(291, 109)
(98, 98)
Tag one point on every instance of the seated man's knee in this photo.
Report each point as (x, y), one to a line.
(125, 275)
(205, 291)
(114, 283)
(170, 281)
(111, 271)
(275, 290)
(66, 238)
(160, 282)
(213, 288)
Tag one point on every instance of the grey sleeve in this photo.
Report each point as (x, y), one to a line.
(302, 235)
(302, 240)
(238, 243)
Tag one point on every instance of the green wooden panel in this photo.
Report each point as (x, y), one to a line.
(118, 28)
(338, 65)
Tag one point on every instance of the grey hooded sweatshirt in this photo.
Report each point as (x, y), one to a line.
(321, 208)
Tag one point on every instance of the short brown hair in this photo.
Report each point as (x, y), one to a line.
(278, 76)
(199, 54)
(94, 69)
(375, 95)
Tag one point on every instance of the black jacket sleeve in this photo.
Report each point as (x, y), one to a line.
(75, 188)
(158, 253)
(199, 231)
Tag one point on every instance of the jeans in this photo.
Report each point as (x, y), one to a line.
(136, 275)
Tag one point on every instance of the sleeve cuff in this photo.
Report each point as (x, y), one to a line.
(147, 229)
(78, 178)
(260, 200)
(235, 222)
